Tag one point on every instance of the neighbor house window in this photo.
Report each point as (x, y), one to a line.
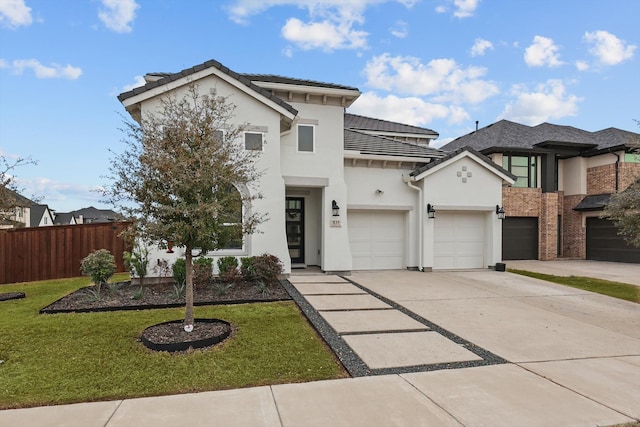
(525, 168)
(632, 157)
(253, 141)
(305, 138)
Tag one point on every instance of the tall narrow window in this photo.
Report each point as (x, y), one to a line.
(253, 141)
(305, 138)
(525, 168)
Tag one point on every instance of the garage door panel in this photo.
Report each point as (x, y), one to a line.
(458, 240)
(604, 243)
(377, 239)
(519, 238)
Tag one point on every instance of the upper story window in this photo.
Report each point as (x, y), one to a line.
(632, 157)
(253, 141)
(525, 168)
(306, 138)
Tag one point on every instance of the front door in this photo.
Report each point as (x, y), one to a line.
(295, 228)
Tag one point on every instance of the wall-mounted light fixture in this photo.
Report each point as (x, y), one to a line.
(431, 211)
(500, 212)
(335, 208)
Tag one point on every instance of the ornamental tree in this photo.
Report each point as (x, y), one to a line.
(185, 178)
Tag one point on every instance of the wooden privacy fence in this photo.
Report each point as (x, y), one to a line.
(43, 253)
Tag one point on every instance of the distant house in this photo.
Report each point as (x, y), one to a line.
(41, 216)
(92, 215)
(65, 219)
(20, 215)
(565, 177)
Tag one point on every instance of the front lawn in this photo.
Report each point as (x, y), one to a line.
(623, 291)
(65, 358)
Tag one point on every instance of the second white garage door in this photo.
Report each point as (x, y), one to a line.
(377, 239)
(458, 240)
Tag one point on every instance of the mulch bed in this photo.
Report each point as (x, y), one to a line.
(171, 336)
(6, 296)
(124, 296)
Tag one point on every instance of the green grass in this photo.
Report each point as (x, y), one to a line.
(623, 291)
(65, 358)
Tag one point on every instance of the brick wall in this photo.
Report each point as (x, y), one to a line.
(573, 233)
(548, 227)
(521, 201)
(628, 173)
(602, 179)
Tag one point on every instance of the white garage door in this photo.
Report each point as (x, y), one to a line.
(377, 240)
(458, 240)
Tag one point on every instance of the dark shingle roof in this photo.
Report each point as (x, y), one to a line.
(208, 64)
(63, 218)
(378, 145)
(92, 215)
(271, 78)
(505, 135)
(594, 202)
(453, 154)
(355, 122)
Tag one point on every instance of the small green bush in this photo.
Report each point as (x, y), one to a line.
(267, 268)
(247, 270)
(202, 271)
(100, 266)
(137, 261)
(179, 269)
(228, 269)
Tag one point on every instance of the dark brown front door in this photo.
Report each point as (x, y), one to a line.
(295, 228)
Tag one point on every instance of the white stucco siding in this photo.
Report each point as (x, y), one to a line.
(466, 231)
(393, 202)
(260, 117)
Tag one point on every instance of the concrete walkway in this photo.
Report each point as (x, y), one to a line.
(572, 359)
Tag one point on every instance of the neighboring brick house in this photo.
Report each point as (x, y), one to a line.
(565, 178)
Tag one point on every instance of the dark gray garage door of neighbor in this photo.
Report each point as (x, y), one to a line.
(604, 243)
(519, 238)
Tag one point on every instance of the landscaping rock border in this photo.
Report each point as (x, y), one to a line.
(8, 296)
(173, 347)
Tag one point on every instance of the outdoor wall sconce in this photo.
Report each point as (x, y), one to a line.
(431, 211)
(335, 208)
(500, 212)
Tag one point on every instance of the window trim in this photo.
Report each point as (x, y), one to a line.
(532, 168)
(313, 138)
(244, 140)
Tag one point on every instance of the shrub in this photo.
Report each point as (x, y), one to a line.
(100, 265)
(137, 261)
(228, 269)
(180, 271)
(202, 271)
(247, 270)
(267, 268)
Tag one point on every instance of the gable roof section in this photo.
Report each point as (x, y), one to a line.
(483, 160)
(91, 215)
(368, 144)
(166, 78)
(272, 78)
(368, 124)
(505, 135)
(18, 199)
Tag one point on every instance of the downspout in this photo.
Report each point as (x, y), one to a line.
(408, 180)
(617, 167)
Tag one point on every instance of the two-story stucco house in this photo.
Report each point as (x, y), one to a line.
(346, 192)
(565, 177)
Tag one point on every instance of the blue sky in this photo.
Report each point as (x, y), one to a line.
(441, 64)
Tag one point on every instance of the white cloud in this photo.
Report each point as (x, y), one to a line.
(549, 100)
(54, 71)
(443, 79)
(542, 52)
(61, 196)
(118, 15)
(14, 13)
(410, 110)
(331, 24)
(138, 81)
(465, 8)
(400, 30)
(327, 35)
(582, 65)
(480, 46)
(608, 48)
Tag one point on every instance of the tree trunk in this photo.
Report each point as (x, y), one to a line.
(188, 317)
